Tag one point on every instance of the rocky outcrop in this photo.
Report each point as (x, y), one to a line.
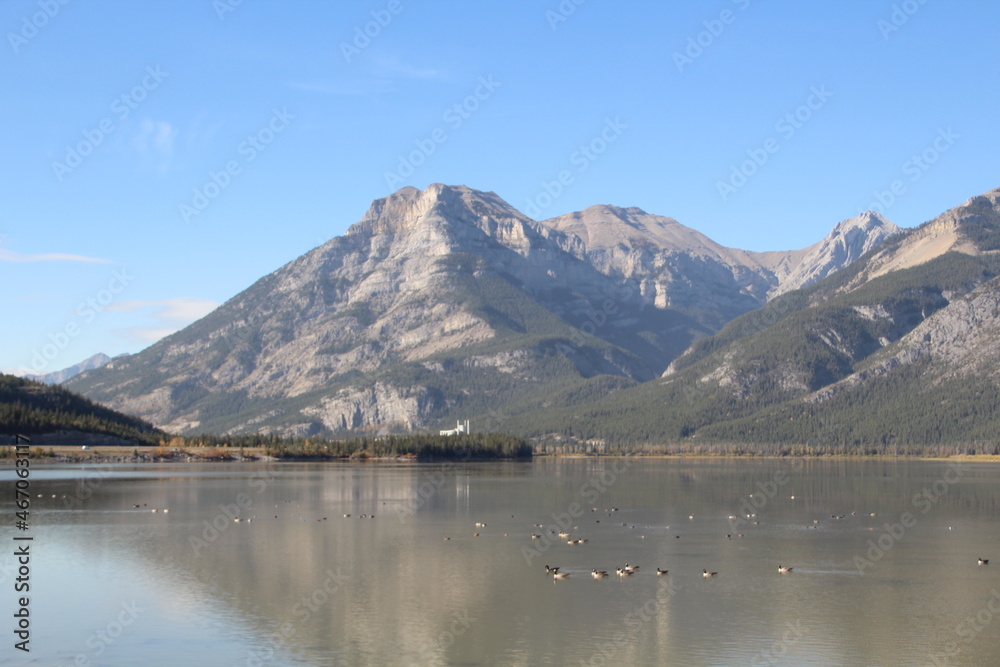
(961, 340)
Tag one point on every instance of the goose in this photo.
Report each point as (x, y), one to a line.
(707, 574)
(551, 570)
(560, 575)
(631, 568)
(536, 536)
(598, 574)
(564, 536)
(660, 572)
(784, 570)
(984, 561)
(622, 572)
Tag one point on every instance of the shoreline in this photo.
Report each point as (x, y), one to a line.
(41, 455)
(146, 454)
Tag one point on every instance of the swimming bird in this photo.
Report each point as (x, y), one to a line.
(631, 568)
(622, 572)
(598, 574)
(660, 572)
(551, 570)
(560, 575)
(707, 574)
(784, 570)
(984, 561)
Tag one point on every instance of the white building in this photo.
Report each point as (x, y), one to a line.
(459, 428)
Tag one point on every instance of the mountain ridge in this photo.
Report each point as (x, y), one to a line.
(60, 376)
(448, 302)
(866, 360)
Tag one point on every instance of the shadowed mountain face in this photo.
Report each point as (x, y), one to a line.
(448, 303)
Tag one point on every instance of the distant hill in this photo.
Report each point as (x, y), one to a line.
(58, 377)
(35, 409)
(448, 304)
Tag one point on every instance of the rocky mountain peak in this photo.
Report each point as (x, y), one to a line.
(60, 376)
(449, 213)
(847, 241)
(606, 227)
(855, 236)
(970, 228)
(865, 220)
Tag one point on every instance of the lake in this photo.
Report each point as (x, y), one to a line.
(260, 564)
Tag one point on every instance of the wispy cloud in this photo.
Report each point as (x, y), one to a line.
(181, 309)
(155, 142)
(144, 335)
(168, 315)
(17, 257)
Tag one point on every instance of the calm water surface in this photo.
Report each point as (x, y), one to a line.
(882, 575)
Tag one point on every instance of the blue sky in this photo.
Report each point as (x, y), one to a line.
(160, 156)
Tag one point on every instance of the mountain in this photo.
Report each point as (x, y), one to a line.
(449, 303)
(677, 267)
(58, 377)
(51, 415)
(899, 349)
(847, 243)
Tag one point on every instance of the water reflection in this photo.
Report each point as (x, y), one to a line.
(257, 564)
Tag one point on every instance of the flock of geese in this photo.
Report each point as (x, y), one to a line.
(628, 570)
